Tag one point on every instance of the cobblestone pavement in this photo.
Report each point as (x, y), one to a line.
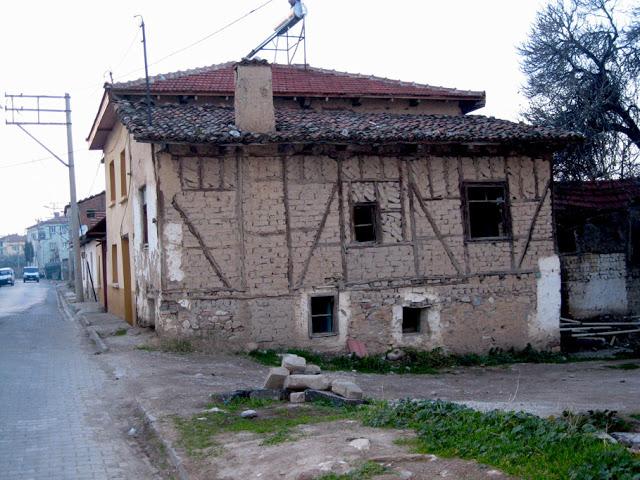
(53, 420)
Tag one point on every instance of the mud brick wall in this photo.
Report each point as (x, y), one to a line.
(596, 284)
(268, 230)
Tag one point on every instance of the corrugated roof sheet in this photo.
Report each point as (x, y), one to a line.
(596, 195)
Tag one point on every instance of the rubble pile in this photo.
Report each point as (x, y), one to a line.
(301, 382)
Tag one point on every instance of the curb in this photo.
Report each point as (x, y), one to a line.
(66, 311)
(174, 458)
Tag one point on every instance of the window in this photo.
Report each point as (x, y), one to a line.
(112, 181)
(322, 315)
(634, 236)
(52, 230)
(91, 213)
(123, 175)
(487, 211)
(143, 215)
(365, 224)
(114, 263)
(411, 317)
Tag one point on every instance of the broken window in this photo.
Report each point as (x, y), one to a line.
(365, 222)
(487, 211)
(411, 319)
(322, 315)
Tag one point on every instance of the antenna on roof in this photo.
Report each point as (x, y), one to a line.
(291, 41)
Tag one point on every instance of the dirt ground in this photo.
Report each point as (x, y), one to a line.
(181, 384)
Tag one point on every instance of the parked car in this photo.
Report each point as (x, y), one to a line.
(7, 276)
(31, 274)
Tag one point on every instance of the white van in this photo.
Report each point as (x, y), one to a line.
(31, 274)
(7, 276)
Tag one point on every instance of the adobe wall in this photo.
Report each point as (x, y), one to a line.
(249, 234)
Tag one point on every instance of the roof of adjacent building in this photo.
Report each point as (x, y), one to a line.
(56, 220)
(596, 195)
(97, 203)
(297, 80)
(13, 238)
(199, 124)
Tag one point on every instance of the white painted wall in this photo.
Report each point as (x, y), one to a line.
(544, 327)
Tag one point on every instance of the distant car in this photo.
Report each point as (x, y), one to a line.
(31, 274)
(7, 276)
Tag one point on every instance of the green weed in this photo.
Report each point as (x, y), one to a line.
(120, 332)
(625, 366)
(366, 471)
(517, 443)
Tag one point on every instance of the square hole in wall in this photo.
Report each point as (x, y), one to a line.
(322, 315)
(411, 319)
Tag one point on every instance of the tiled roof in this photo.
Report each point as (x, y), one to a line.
(198, 124)
(295, 80)
(596, 195)
(13, 238)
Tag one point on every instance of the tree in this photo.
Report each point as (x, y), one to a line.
(582, 62)
(28, 252)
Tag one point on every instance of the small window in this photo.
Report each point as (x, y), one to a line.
(365, 226)
(91, 213)
(143, 214)
(112, 181)
(114, 263)
(411, 319)
(634, 236)
(487, 211)
(322, 315)
(123, 174)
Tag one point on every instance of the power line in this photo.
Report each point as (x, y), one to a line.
(197, 42)
(94, 180)
(36, 160)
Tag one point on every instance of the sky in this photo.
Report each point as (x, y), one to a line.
(52, 48)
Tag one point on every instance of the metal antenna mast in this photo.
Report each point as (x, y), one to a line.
(146, 69)
(292, 41)
(49, 114)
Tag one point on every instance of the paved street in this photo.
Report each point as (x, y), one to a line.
(53, 418)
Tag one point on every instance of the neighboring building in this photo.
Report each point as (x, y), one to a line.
(302, 207)
(91, 211)
(50, 239)
(598, 230)
(12, 245)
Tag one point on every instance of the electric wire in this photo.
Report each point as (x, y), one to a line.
(197, 42)
(28, 162)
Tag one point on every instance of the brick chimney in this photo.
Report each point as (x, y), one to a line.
(254, 97)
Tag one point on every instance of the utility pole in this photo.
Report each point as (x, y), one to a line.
(146, 70)
(37, 114)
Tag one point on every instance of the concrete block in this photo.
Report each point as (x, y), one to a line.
(275, 378)
(267, 394)
(312, 369)
(303, 382)
(297, 397)
(336, 400)
(346, 389)
(294, 363)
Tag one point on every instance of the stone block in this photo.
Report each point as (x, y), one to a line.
(303, 382)
(346, 389)
(294, 363)
(275, 378)
(312, 369)
(230, 396)
(267, 394)
(336, 400)
(297, 397)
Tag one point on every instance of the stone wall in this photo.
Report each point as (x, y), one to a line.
(250, 234)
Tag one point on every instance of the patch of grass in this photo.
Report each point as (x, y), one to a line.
(176, 346)
(517, 443)
(275, 422)
(147, 348)
(120, 332)
(635, 416)
(366, 471)
(605, 420)
(415, 361)
(625, 366)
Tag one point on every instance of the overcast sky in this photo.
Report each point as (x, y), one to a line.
(57, 47)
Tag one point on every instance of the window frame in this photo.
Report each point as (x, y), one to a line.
(124, 190)
(420, 311)
(376, 223)
(115, 277)
(466, 214)
(144, 215)
(334, 311)
(112, 182)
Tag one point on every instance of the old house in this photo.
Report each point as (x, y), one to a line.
(272, 205)
(598, 229)
(12, 245)
(50, 240)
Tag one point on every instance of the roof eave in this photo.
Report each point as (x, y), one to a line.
(103, 123)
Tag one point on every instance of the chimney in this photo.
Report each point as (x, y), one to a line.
(254, 97)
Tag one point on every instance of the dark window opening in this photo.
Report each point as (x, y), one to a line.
(365, 222)
(322, 315)
(487, 211)
(634, 236)
(144, 219)
(91, 213)
(411, 319)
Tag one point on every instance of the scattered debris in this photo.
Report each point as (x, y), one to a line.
(395, 355)
(297, 397)
(216, 410)
(133, 432)
(361, 444)
(249, 414)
